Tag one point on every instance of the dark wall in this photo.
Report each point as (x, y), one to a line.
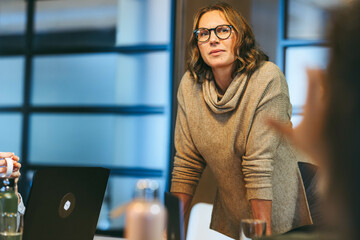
(264, 20)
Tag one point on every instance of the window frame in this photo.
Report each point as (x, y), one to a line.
(284, 43)
(29, 52)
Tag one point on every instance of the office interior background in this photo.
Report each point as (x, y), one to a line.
(93, 82)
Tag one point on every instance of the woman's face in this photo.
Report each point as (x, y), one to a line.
(217, 53)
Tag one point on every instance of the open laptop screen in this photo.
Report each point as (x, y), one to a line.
(65, 203)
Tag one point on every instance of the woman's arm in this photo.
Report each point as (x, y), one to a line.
(262, 143)
(188, 162)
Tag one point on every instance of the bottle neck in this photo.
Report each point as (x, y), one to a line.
(147, 190)
(7, 185)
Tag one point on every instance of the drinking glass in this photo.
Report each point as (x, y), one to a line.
(11, 226)
(250, 228)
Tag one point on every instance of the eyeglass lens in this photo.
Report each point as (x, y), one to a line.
(222, 32)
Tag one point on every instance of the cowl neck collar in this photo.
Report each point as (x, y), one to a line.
(229, 100)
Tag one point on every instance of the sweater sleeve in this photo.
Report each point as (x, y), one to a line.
(188, 163)
(263, 141)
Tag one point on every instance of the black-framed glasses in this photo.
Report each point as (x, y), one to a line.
(222, 32)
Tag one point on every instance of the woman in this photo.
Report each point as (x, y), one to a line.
(224, 98)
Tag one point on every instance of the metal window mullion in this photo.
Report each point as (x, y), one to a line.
(114, 171)
(128, 110)
(281, 34)
(177, 7)
(89, 50)
(30, 13)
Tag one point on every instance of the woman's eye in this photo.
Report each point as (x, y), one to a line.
(203, 33)
(223, 30)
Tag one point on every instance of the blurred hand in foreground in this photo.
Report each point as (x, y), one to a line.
(308, 136)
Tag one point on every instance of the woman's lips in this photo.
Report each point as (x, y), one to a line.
(216, 52)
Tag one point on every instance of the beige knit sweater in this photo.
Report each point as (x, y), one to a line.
(248, 159)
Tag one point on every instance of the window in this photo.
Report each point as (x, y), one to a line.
(302, 30)
(88, 83)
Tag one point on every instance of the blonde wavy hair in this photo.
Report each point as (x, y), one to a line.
(248, 55)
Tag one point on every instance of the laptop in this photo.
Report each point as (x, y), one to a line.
(64, 203)
(175, 224)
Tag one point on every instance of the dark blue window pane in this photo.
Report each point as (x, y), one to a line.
(143, 22)
(10, 128)
(12, 24)
(75, 23)
(98, 79)
(298, 59)
(11, 80)
(99, 140)
(307, 19)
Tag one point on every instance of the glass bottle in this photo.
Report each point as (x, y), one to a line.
(146, 215)
(8, 210)
(8, 197)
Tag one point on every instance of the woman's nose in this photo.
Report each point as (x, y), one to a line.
(213, 37)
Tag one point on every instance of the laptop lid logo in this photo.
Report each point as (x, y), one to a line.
(67, 205)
